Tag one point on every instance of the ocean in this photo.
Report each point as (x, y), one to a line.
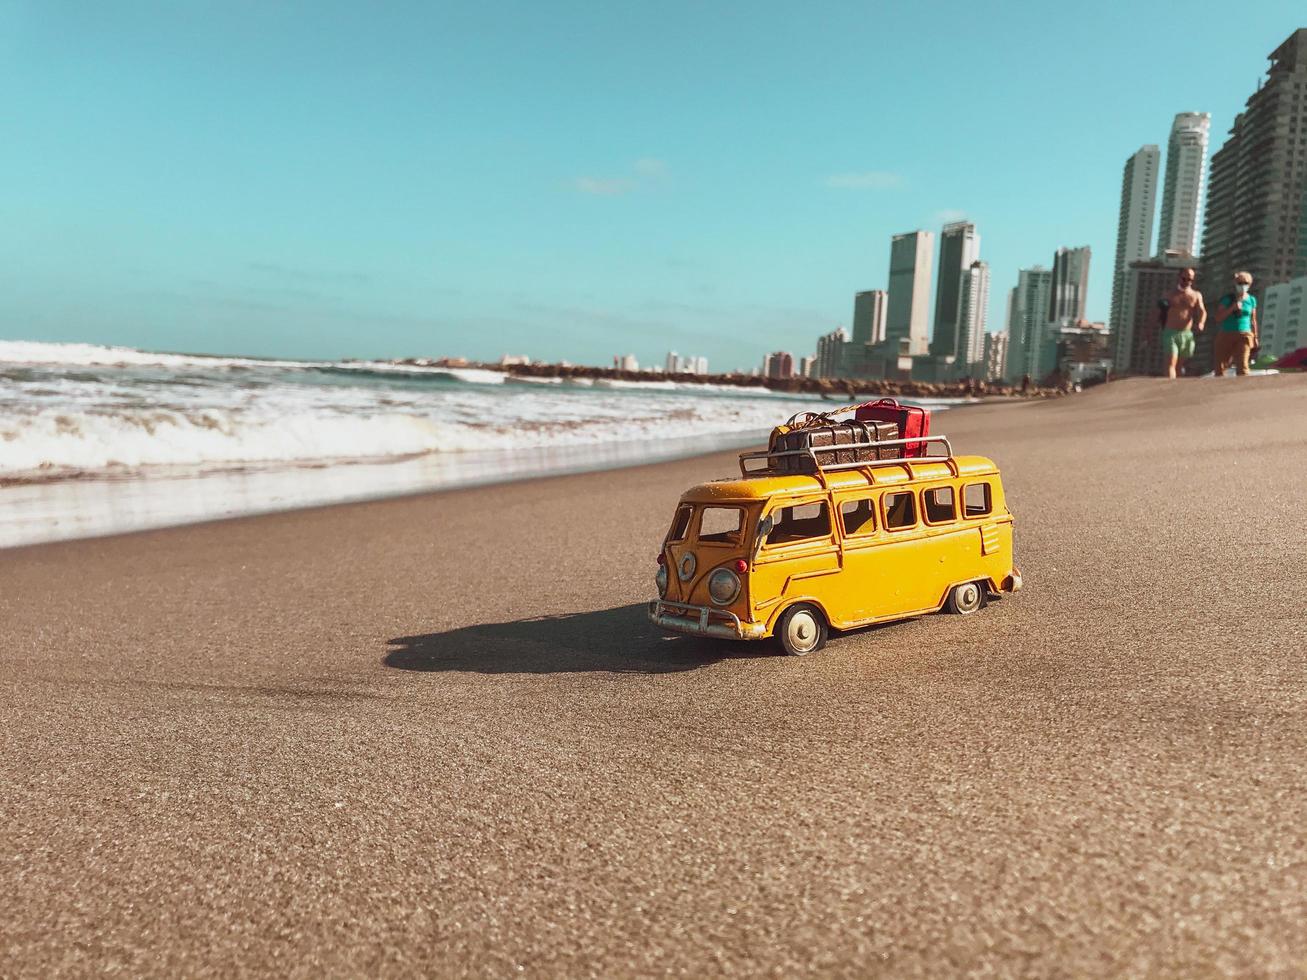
(97, 440)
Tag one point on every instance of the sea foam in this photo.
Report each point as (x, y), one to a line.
(80, 409)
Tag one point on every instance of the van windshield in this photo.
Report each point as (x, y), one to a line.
(721, 525)
(680, 523)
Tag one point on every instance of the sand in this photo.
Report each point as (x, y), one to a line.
(436, 735)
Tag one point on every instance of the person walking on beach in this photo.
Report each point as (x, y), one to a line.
(1237, 314)
(1183, 315)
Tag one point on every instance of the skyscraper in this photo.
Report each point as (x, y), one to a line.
(1256, 216)
(1137, 347)
(1282, 317)
(1069, 286)
(959, 246)
(995, 363)
(972, 319)
(1186, 159)
(869, 316)
(779, 364)
(908, 305)
(830, 348)
(1134, 230)
(1028, 322)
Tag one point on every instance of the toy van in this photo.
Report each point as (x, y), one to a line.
(791, 556)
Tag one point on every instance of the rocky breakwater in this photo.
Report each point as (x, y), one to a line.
(835, 388)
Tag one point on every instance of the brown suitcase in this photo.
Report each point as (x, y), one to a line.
(835, 435)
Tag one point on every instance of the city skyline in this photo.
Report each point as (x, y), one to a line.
(398, 184)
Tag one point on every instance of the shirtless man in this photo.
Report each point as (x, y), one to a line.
(1185, 313)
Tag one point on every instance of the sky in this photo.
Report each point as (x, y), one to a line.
(564, 180)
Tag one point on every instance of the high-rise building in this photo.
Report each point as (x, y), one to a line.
(1083, 351)
(673, 363)
(807, 366)
(1186, 160)
(869, 316)
(700, 365)
(995, 357)
(1256, 218)
(907, 309)
(972, 319)
(959, 246)
(1282, 317)
(779, 364)
(626, 362)
(1014, 327)
(1070, 285)
(1134, 229)
(830, 348)
(1026, 349)
(1137, 347)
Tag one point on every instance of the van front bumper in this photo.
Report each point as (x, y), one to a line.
(702, 621)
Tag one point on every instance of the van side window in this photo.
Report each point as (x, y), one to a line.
(721, 524)
(977, 500)
(799, 522)
(859, 516)
(939, 505)
(900, 510)
(680, 524)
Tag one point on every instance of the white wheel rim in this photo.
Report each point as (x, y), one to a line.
(969, 596)
(801, 632)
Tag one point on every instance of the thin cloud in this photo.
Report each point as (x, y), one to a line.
(869, 180)
(604, 186)
(279, 271)
(646, 171)
(651, 167)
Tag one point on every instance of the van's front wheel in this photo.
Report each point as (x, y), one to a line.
(801, 630)
(966, 598)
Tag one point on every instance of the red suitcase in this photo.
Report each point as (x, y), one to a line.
(913, 421)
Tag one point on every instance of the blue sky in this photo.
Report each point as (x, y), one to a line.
(564, 180)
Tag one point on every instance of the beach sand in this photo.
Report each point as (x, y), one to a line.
(436, 735)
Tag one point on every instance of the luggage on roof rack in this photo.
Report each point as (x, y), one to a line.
(813, 442)
(771, 459)
(912, 420)
(837, 442)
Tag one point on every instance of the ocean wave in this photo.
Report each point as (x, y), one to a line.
(54, 441)
(391, 369)
(28, 354)
(70, 409)
(95, 355)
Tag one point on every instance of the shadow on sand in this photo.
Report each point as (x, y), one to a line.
(618, 640)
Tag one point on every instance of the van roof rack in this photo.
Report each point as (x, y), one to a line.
(820, 469)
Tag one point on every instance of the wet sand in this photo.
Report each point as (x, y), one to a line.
(435, 735)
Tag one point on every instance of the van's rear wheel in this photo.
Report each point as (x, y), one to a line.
(966, 598)
(801, 630)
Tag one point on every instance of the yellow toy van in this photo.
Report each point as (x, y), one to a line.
(790, 555)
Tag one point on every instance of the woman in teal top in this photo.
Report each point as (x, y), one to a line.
(1236, 314)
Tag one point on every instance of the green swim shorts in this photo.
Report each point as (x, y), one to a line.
(1178, 344)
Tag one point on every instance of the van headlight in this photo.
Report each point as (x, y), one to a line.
(723, 586)
(660, 577)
